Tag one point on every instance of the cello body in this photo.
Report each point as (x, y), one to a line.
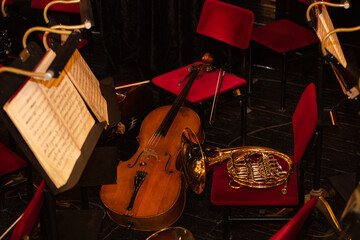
(160, 199)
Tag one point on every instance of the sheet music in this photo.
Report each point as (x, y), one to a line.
(44, 132)
(88, 85)
(53, 120)
(324, 26)
(68, 103)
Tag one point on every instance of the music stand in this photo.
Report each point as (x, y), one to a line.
(332, 53)
(10, 83)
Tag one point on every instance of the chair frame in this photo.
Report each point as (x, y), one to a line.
(27, 180)
(240, 93)
(283, 64)
(227, 218)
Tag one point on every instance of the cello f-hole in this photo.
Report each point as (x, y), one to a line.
(137, 159)
(168, 163)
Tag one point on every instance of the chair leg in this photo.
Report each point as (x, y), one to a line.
(2, 195)
(201, 112)
(226, 223)
(249, 70)
(29, 183)
(283, 81)
(243, 118)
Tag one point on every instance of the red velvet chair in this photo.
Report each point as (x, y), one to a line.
(214, 16)
(70, 8)
(284, 36)
(304, 123)
(293, 227)
(30, 216)
(11, 164)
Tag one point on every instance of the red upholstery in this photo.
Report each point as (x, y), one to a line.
(8, 2)
(30, 216)
(304, 122)
(217, 21)
(10, 161)
(41, 4)
(224, 22)
(283, 36)
(202, 88)
(222, 194)
(291, 229)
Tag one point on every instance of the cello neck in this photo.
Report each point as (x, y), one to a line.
(166, 123)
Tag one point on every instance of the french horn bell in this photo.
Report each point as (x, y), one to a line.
(247, 166)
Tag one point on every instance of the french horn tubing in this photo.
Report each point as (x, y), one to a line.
(247, 166)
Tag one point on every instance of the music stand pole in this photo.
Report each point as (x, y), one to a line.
(316, 190)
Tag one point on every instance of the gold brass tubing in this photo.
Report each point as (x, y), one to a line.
(3, 8)
(60, 27)
(332, 118)
(345, 5)
(325, 208)
(175, 233)
(55, 2)
(42, 29)
(22, 72)
(353, 29)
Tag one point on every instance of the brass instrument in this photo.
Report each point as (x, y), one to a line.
(248, 166)
(172, 233)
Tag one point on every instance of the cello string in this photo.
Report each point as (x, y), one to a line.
(146, 155)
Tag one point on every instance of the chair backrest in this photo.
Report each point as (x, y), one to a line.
(226, 22)
(30, 215)
(41, 4)
(304, 1)
(304, 121)
(10, 161)
(292, 228)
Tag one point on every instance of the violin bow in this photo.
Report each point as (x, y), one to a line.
(216, 94)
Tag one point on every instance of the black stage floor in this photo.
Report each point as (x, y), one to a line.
(266, 126)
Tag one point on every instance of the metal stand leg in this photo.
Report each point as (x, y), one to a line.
(317, 191)
(84, 198)
(50, 204)
(226, 223)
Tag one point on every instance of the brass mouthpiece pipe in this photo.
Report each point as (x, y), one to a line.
(42, 29)
(61, 27)
(353, 29)
(22, 72)
(3, 8)
(56, 2)
(345, 5)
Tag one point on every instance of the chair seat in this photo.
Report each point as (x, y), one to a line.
(202, 88)
(9, 161)
(223, 194)
(41, 4)
(283, 36)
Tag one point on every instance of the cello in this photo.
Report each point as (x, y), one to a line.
(150, 190)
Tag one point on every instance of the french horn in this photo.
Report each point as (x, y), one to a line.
(172, 233)
(247, 166)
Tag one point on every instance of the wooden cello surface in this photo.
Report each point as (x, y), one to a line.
(150, 190)
(161, 197)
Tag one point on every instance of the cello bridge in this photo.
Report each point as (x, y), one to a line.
(150, 153)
